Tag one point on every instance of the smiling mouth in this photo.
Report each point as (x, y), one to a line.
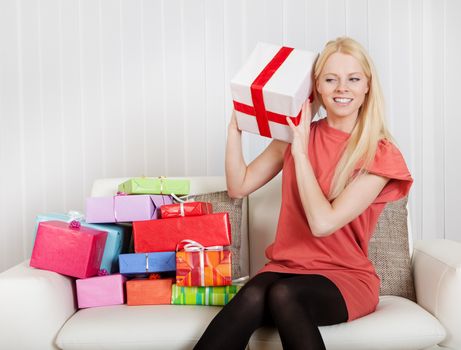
(342, 100)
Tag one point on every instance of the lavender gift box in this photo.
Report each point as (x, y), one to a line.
(123, 208)
(144, 263)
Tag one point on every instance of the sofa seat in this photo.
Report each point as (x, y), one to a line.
(397, 324)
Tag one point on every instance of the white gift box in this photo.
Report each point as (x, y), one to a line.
(274, 83)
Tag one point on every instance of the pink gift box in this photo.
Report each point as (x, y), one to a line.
(101, 291)
(71, 251)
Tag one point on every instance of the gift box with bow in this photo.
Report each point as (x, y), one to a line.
(118, 236)
(159, 185)
(217, 296)
(164, 235)
(197, 265)
(69, 249)
(124, 208)
(185, 209)
(273, 84)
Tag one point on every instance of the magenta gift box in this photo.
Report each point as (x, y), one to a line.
(101, 291)
(123, 208)
(71, 251)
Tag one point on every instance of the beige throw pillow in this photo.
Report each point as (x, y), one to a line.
(221, 202)
(389, 251)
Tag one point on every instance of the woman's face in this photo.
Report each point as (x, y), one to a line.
(342, 85)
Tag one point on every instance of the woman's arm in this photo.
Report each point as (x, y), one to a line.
(324, 217)
(242, 179)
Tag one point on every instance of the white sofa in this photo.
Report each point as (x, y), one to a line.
(38, 308)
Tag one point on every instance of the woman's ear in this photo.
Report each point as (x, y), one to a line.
(317, 87)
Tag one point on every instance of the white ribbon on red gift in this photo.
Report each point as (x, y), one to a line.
(191, 246)
(181, 204)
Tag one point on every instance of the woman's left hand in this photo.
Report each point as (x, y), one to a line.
(301, 131)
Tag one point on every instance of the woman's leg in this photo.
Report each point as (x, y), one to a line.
(233, 325)
(301, 303)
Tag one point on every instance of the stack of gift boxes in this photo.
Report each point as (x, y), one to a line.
(181, 249)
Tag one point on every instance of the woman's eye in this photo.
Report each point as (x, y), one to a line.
(329, 80)
(354, 79)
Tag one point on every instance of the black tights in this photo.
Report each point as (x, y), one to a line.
(295, 304)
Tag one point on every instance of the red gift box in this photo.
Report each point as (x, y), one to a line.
(164, 235)
(69, 249)
(185, 209)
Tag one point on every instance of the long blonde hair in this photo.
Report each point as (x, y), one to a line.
(370, 126)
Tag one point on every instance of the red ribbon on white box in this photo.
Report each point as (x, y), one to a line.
(258, 109)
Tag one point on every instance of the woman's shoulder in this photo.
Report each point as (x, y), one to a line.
(387, 149)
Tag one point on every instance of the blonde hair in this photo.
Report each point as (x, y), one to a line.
(370, 126)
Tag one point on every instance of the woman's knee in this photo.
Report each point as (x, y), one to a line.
(280, 293)
(250, 296)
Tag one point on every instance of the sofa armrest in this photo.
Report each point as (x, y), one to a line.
(34, 305)
(437, 274)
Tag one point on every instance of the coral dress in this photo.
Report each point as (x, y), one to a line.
(342, 256)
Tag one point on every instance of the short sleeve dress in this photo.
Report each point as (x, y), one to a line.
(342, 256)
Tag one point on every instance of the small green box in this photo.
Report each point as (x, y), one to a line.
(156, 185)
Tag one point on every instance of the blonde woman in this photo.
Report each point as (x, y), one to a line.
(338, 174)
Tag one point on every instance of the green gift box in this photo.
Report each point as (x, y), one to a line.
(217, 296)
(159, 185)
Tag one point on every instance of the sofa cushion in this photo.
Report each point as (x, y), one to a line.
(397, 324)
(390, 253)
(223, 203)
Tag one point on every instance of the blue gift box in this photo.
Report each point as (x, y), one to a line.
(118, 237)
(143, 263)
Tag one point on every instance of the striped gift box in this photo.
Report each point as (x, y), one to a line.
(217, 296)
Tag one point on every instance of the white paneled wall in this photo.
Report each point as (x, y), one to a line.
(105, 88)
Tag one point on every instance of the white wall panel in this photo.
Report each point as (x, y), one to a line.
(154, 91)
(132, 77)
(92, 103)
(33, 171)
(214, 75)
(336, 18)
(11, 142)
(295, 23)
(50, 92)
(174, 112)
(415, 99)
(113, 136)
(317, 24)
(452, 140)
(102, 88)
(72, 107)
(194, 102)
(432, 176)
(357, 20)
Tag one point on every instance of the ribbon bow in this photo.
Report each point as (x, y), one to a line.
(74, 224)
(189, 245)
(75, 215)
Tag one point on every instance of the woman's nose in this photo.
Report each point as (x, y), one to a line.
(342, 85)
